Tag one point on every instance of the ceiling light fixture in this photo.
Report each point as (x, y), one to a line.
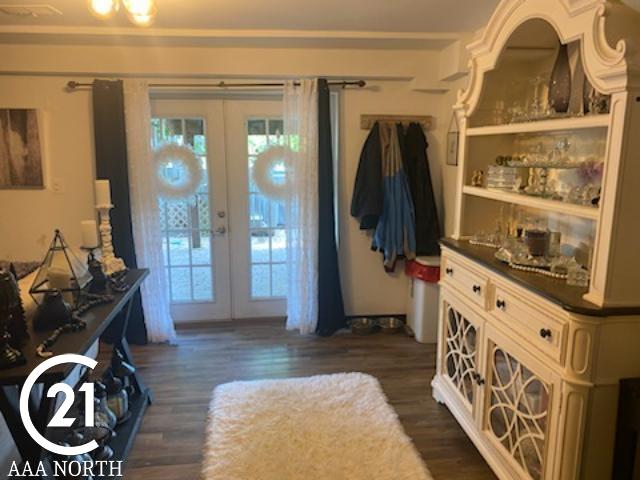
(104, 9)
(140, 12)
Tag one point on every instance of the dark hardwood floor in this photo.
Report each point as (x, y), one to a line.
(182, 378)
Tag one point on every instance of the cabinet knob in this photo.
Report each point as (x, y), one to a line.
(477, 289)
(545, 333)
(501, 304)
(449, 271)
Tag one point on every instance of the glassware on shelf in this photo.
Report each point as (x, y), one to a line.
(577, 276)
(503, 178)
(518, 113)
(536, 241)
(537, 110)
(553, 244)
(103, 415)
(595, 103)
(499, 113)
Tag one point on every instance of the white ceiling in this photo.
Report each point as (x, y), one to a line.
(422, 24)
(361, 15)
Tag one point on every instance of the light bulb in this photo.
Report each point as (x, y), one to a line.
(143, 8)
(103, 9)
(143, 20)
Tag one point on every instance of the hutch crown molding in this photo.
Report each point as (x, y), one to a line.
(528, 364)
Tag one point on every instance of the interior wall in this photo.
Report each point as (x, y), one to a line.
(367, 288)
(27, 218)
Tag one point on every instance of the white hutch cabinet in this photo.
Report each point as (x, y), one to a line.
(529, 365)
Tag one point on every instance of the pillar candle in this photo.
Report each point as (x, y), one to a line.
(89, 234)
(103, 193)
(60, 279)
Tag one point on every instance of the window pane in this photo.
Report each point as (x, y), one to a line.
(173, 127)
(257, 144)
(178, 216)
(201, 252)
(179, 248)
(279, 246)
(277, 214)
(194, 127)
(260, 281)
(204, 212)
(279, 280)
(256, 127)
(259, 248)
(202, 286)
(258, 211)
(180, 285)
(276, 127)
(165, 250)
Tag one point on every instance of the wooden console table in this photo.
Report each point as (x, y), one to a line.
(42, 408)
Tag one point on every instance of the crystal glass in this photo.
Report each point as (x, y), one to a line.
(578, 277)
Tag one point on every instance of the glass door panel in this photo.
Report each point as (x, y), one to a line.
(518, 410)
(196, 259)
(258, 221)
(266, 216)
(460, 354)
(185, 224)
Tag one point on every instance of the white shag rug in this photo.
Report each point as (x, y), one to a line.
(327, 427)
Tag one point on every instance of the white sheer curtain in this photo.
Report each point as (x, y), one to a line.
(301, 205)
(144, 211)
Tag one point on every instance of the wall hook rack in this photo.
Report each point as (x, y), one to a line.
(368, 120)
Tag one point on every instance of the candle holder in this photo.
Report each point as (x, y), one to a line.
(60, 271)
(99, 282)
(110, 263)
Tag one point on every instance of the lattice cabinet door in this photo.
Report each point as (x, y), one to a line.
(460, 330)
(517, 406)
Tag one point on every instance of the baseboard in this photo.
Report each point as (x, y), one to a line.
(200, 324)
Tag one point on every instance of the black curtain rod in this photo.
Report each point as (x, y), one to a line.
(72, 84)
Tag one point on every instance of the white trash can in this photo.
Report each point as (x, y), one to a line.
(422, 311)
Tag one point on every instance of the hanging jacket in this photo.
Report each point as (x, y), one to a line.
(367, 199)
(395, 232)
(414, 146)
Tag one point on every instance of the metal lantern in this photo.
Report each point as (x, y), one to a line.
(61, 270)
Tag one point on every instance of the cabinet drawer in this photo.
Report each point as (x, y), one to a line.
(465, 280)
(537, 325)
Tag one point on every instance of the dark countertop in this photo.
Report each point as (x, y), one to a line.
(557, 291)
(97, 318)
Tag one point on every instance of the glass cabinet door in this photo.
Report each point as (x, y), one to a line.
(517, 410)
(460, 352)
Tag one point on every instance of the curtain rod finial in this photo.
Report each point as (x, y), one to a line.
(72, 85)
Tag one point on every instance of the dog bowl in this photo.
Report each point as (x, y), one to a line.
(390, 325)
(362, 326)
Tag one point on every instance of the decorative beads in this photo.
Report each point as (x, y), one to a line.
(542, 271)
(77, 324)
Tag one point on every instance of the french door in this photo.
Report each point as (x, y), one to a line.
(224, 247)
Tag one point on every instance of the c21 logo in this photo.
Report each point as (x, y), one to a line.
(59, 419)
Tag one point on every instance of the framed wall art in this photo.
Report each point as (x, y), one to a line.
(452, 142)
(20, 149)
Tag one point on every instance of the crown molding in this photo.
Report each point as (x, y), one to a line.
(227, 38)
